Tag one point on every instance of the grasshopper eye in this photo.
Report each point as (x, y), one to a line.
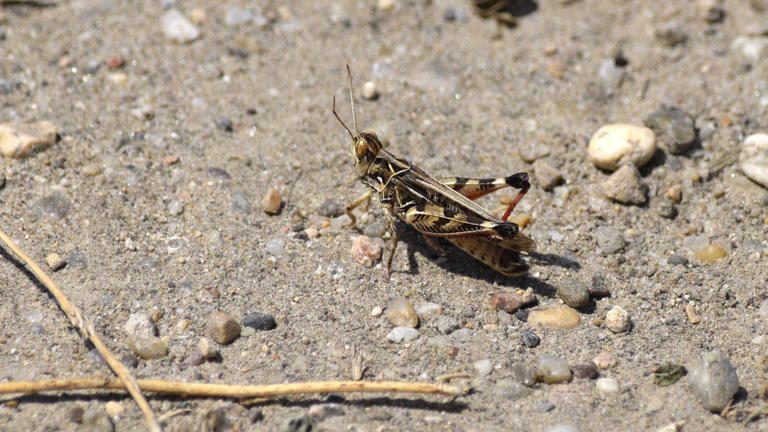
(361, 148)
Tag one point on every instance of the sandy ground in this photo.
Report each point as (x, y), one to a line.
(455, 99)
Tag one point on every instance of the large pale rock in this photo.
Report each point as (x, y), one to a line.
(21, 140)
(617, 144)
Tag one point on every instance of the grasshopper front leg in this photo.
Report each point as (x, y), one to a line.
(362, 199)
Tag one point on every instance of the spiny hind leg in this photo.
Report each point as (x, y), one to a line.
(362, 199)
(476, 188)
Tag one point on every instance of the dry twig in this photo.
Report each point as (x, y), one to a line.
(87, 330)
(228, 390)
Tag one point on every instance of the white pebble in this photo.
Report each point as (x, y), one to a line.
(483, 367)
(607, 386)
(403, 334)
(178, 28)
(20, 140)
(369, 90)
(376, 311)
(754, 158)
(616, 144)
(752, 48)
(618, 320)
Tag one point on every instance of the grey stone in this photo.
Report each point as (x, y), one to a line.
(511, 390)
(402, 334)
(546, 175)
(609, 239)
(573, 292)
(713, 380)
(178, 28)
(673, 127)
(54, 206)
(240, 202)
(625, 186)
(447, 325)
(260, 321)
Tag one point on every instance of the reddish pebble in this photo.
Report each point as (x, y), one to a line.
(170, 160)
(115, 62)
(507, 301)
(365, 251)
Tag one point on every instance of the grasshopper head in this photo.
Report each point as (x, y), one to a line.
(365, 148)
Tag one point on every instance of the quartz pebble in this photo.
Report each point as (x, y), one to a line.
(618, 320)
(369, 91)
(402, 334)
(615, 145)
(713, 380)
(711, 253)
(674, 128)
(207, 348)
(562, 317)
(272, 202)
(55, 261)
(483, 367)
(552, 370)
(428, 310)
(178, 28)
(605, 360)
(607, 387)
(149, 347)
(365, 251)
(175, 208)
(401, 313)
(223, 328)
(524, 374)
(21, 140)
(753, 159)
(625, 186)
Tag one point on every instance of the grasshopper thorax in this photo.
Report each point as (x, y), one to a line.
(365, 148)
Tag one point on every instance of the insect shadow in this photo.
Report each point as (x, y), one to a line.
(454, 260)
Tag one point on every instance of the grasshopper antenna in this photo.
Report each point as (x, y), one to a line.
(351, 135)
(352, 99)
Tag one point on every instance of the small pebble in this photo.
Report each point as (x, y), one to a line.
(690, 313)
(20, 140)
(674, 193)
(618, 144)
(605, 360)
(533, 151)
(521, 219)
(611, 75)
(552, 370)
(236, 16)
(508, 301)
(561, 428)
(752, 48)
(561, 317)
(175, 208)
(275, 247)
(369, 91)
(140, 324)
(75, 414)
(198, 16)
(607, 387)
(447, 325)
(599, 287)
(401, 313)
(524, 374)
(402, 334)
(114, 62)
(365, 251)
(207, 348)
(302, 423)
(625, 186)
(711, 253)
(95, 420)
(573, 293)
(330, 209)
(529, 338)
(677, 260)
(428, 310)
(386, 5)
(272, 202)
(170, 160)
(148, 347)
(609, 239)
(91, 170)
(711, 11)
(585, 371)
(224, 124)
(483, 367)
(55, 261)
(511, 390)
(753, 159)
(54, 206)
(260, 321)
(546, 175)
(713, 380)
(667, 211)
(177, 28)
(670, 34)
(674, 128)
(223, 328)
(377, 311)
(219, 173)
(240, 202)
(320, 412)
(618, 320)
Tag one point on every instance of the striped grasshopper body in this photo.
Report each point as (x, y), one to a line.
(439, 208)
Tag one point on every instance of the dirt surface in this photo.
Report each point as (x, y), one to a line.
(454, 98)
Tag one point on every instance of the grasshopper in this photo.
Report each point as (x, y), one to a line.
(435, 208)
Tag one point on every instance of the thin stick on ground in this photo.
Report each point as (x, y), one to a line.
(233, 391)
(87, 331)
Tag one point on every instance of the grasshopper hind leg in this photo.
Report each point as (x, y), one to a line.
(392, 228)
